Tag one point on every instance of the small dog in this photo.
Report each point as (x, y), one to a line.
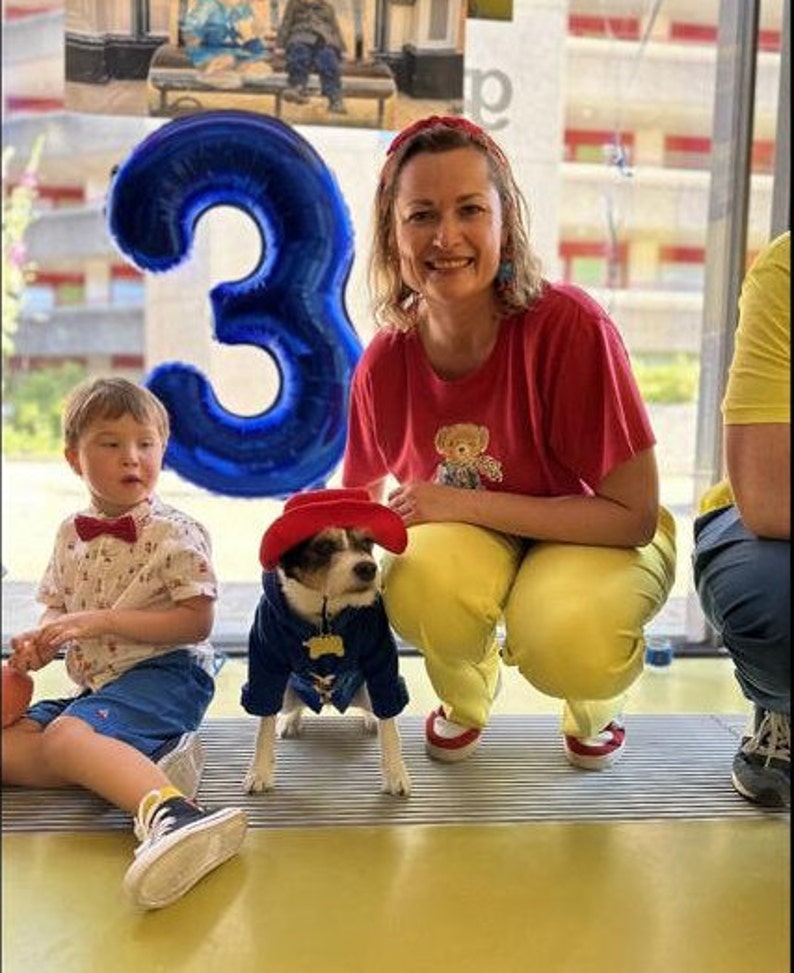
(320, 635)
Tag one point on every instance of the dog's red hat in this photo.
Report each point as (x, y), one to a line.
(305, 514)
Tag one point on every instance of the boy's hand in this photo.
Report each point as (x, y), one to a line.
(28, 653)
(72, 627)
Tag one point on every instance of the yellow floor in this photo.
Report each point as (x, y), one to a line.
(678, 897)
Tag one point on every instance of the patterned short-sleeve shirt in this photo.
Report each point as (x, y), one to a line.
(170, 561)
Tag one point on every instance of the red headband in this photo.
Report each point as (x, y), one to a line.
(474, 132)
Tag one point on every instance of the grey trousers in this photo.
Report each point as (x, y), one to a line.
(744, 582)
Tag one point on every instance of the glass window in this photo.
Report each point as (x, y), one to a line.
(632, 229)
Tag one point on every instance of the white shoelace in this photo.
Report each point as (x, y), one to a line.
(772, 739)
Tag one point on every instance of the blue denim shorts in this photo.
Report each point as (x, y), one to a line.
(156, 700)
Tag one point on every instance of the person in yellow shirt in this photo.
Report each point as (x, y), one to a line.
(741, 560)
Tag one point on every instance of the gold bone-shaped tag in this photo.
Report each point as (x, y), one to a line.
(324, 645)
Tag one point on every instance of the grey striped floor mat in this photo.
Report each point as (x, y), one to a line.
(675, 766)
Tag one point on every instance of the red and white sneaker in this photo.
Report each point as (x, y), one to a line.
(448, 741)
(599, 751)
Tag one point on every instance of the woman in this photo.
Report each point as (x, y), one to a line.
(505, 409)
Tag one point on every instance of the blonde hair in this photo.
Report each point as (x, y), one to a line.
(394, 303)
(110, 398)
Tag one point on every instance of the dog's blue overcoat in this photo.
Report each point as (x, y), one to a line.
(278, 656)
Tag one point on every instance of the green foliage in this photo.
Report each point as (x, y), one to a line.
(18, 202)
(667, 379)
(32, 407)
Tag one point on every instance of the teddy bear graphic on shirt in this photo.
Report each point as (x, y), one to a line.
(465, 461)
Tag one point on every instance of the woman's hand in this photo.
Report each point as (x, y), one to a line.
(621, 513)
(422, 503)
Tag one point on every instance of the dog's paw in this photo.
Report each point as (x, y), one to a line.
(288, 725)
(370, 723)
(396, 780)
(256, 781)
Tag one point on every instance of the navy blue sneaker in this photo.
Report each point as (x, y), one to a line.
(180, 843)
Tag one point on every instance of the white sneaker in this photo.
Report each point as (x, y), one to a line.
(180, 844)
(183, 763)
(450, 742)
(599, 751)
(447, 741)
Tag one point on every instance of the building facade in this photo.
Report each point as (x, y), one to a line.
(609, 118)
(608, 110)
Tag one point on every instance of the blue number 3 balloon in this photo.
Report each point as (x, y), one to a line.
(291, 305)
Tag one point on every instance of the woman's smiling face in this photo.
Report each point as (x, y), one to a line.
(448, 225)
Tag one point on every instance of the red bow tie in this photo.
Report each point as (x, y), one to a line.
(90, 527)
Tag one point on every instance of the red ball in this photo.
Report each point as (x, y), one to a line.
(17, 694)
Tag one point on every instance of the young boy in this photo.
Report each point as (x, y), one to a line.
(130, 596)
(222, 41)
(309, 33)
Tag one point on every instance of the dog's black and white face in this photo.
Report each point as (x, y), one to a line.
(336, 566)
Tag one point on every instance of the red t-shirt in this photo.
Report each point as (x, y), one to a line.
(553, 409)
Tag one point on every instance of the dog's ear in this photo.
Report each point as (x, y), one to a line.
(292, 560)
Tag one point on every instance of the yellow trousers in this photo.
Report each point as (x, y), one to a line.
(573, 616)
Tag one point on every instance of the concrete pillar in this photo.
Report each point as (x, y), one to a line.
(100, 365)
(179, 323)
(515, 89)
(96, 187)
(659, 30)
(648, 147)
(643, 263)
(97, 280)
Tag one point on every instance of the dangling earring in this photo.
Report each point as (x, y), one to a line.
(411, 305)
(506, 273)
